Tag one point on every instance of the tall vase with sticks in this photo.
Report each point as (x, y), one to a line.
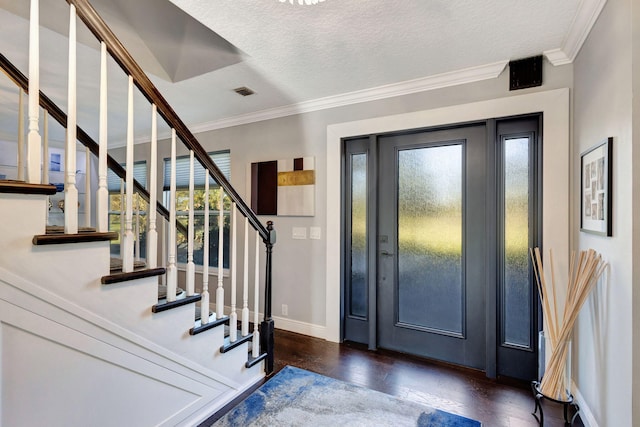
(585, 269)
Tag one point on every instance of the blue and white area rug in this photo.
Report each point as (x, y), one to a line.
(295, 397)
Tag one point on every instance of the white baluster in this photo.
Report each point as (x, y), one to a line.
(191, 267)
(45, 148)
(233, 317)
(256, 301)
(121, 217)
(220, 288)
(172, 269)
(34, 142)
(20, 135)
(87, 188)
(70, 190)
(152, 233)
(204, 302)
(137, 239)
(245, 288)
(127, 257)
(163, 254)
(45, 154)
(102, 201)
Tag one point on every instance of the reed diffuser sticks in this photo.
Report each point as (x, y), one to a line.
(584, 272)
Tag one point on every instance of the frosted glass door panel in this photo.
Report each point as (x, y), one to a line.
(517, 287)
(431, 272)
(429, 211)
(358, 283)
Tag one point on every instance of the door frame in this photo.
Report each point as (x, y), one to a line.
(556, 170)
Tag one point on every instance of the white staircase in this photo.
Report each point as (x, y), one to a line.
(77, 352)
(83, 345)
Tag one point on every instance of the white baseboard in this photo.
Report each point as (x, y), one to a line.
(585, 412)
(296, 326)
(286, 324)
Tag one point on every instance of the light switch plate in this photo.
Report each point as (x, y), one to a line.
(315, 233)
(299, 233)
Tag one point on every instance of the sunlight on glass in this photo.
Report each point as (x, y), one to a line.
(358, 235)
(430, 237)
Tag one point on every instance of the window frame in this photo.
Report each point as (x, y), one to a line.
(183, 162)
(142, 178)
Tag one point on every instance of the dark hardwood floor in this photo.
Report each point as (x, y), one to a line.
(453, 389)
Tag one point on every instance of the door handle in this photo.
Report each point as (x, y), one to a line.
(386, 253)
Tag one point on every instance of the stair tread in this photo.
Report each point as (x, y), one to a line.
(133, 275)
(252, 361)
(115, 264)
(22, 187)
(228, 345)
(61, 238)
(199, 327)
(179, 302)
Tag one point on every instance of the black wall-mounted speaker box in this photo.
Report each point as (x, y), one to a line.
(524, 73)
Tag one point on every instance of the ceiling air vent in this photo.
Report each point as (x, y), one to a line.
(244, 91)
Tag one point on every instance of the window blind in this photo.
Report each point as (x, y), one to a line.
(139, 174)
(222, 160)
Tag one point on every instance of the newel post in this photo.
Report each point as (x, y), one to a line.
(267, 329)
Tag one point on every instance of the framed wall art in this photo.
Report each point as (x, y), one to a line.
(596, 189)
(285, 187)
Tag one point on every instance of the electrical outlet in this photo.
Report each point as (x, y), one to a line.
(285, 310)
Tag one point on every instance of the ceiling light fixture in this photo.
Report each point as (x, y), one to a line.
(302, 2)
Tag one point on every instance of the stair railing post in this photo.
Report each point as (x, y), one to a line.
(233, 317)
(102, 201)
(152, 233)
(172, 269)
(70, 189)
(34, 142)
(127, 256)
(204, 302)
(267, 329)
(191, 266)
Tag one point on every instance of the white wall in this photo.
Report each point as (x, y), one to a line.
(635, 20)
(602, 108)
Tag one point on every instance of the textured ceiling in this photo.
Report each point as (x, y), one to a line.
(294, 54)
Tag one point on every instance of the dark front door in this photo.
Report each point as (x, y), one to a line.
(431, 269)
(437, 229)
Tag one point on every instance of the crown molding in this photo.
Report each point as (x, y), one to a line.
(583, 21)
(453, 78)
(437, 81)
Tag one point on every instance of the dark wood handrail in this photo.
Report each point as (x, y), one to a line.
(58, 115)
(103, 33)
